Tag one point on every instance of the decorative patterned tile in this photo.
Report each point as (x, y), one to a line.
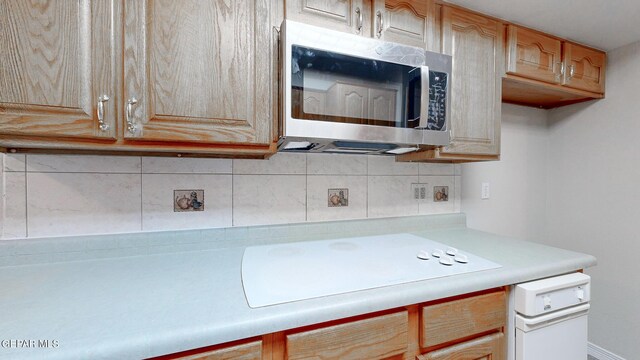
(278, 164)
(391, 196)
(173, 165)
(14, 162)
(83, 163)
(268, 199)
(329, 164)
(159, 201)
(387, 165)
(72, 204)
(319, 195)
(436, 169)
(439, 203)
(15, 215)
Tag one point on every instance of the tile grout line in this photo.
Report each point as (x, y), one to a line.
(26, 199)
(141, 195)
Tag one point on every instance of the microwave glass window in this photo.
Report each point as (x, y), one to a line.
(327, 86)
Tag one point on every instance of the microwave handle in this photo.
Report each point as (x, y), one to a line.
(424, 97)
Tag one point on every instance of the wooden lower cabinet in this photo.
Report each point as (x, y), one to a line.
(466, 327)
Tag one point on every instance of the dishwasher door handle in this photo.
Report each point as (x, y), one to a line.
(532, 323)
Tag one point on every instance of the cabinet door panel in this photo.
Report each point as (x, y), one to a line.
(412, 24)
(585, 68)
(338, 15)
(57, 59)
(534, 55)
(382, 104)
(200, 71)
(476, 44)
(489, 347)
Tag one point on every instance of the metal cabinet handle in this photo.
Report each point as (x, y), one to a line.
(572, 70)
(131, 126)
(101, 100)
(560, 72)
(358, 20)
(380, 24)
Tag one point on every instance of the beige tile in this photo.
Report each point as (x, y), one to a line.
(436, 169)
(15, 211)
(70, 204)
(14, 162)
(329, 164)
(83, 163)
(391, 196)
(432, 207)
(317, 197)
(268, 199)
(278, 164)
(158, 201)
(387, 165)
(173, 165)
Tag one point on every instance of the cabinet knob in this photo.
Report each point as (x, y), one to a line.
(380, 24)
(572, 70)
(101, 100)
(131, 126)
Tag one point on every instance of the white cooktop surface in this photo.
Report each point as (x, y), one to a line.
(275, 274)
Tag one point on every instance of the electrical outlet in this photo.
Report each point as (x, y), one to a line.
(419, 191)
(485, 191)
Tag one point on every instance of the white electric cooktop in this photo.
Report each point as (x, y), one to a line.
(275, 274)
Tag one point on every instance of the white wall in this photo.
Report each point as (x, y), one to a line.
(594, 197)
(516, 206)
(57, 195)
(570, 178)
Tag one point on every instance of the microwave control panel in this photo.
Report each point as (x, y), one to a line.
(437, 100)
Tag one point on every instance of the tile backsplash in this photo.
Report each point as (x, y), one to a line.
(56, 195)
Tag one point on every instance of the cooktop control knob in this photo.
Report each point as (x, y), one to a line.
(423, 255)
(445, 260)
(438, 253)
(452, 251)
(461, 258)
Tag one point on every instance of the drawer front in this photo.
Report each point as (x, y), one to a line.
(489, 347)
(248, 351)
(457, 319)
(374, 338)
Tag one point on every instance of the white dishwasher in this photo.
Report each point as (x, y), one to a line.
(551, 318)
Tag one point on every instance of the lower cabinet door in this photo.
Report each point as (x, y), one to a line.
(490, 347)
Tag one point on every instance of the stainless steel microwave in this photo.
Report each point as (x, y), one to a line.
(344, 93)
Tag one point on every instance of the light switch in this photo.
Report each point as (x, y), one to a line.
(485, 191)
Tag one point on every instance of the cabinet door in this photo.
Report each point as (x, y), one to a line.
(348, 100)
(533, 55)
(476, 44)
(199, 71)
(489, 347)
(382, 104)
(57, 60)
(412, 24)
(584, 68)
(314, 102)
(352, 16)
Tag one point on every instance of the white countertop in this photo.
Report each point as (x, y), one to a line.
(142, 306)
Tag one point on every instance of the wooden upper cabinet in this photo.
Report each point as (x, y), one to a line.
(57, 64)
(352, 16)
(199, 71)
(409, 23)
(584, 68)
(476, 44)
(534, 55)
